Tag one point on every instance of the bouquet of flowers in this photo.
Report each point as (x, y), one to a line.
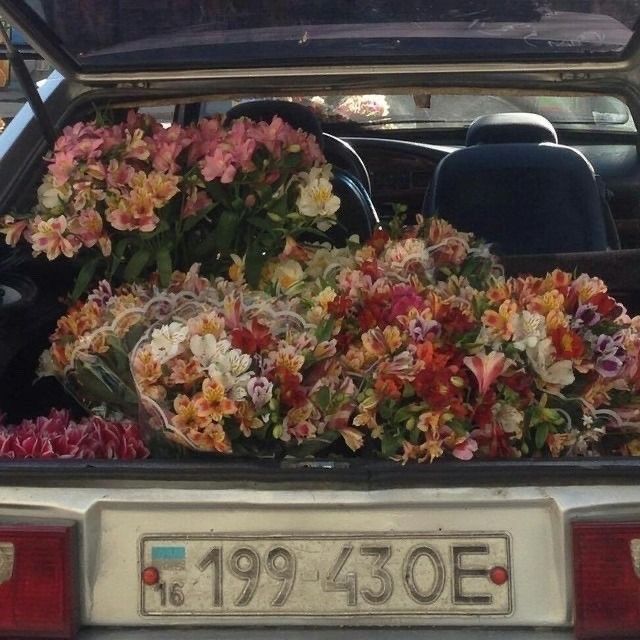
(57, 436)
(134, 198)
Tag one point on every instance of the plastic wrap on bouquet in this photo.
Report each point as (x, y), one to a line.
(232, 374)
(93, 341)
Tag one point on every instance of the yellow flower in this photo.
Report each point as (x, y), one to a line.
(556, 319)
(429, 422)
(236, 270)
(326, 296)
(287, 274)
(393, 338)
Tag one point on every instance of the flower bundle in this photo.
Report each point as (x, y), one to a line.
(57, 436)
(90, 347)
(240, 373)
(136, 197)
(412, 346)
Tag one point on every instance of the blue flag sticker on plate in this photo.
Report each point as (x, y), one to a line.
(169, 557)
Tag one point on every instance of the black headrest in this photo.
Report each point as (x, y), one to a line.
(526, 198)
(510, 127)
(297, 115)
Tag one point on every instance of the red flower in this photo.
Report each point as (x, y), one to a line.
(291, 392)
(436, 387)
(370, 268)
(454, 321)
(569, 345)
(493, 440)
(252, 340)
(379, 240)
(340, 306)
(389, 387)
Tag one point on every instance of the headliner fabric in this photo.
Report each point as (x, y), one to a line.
(525, 198)
(502, 128)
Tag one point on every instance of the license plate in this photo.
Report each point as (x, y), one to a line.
(306, 576)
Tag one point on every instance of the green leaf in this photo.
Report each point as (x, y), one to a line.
(136, 264)
(325, 330)
(165, 269)
(217, 191)
(261, 223)
(227, 230)
(322, 398)
(541, 435)
(254, 261)
(391, 442)
(84, 278)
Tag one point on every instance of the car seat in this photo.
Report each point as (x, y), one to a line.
(517, 188)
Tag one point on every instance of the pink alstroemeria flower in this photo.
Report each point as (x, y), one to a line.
(486, 368)
(13, 229)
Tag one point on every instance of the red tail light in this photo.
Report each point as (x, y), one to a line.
(606, 561)
(37, 581)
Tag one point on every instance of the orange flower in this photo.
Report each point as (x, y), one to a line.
(187, 417)
(146, 369)
(248, 418)
(185, 372)
(558, 279)
(388, 387)
(501, 322)
(213, 404)
(210, 437)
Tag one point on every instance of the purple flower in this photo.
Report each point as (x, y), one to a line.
(609, 366)
(260, 391)
(586, 316)
(419, 329)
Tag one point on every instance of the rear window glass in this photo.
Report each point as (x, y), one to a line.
(425, 110)
(183, 33)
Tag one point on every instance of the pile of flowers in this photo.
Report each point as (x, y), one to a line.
(221, 327)
(412, 346)
(134, 198)
(57, 436)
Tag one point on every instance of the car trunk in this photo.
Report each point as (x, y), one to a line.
(120, 508)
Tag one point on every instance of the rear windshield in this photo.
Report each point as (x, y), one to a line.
(129, 34)
(425, 110)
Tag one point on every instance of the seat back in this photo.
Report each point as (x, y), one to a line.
(525, 198)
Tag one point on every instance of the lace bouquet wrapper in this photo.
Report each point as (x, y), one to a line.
(91, 347)
(240, 372)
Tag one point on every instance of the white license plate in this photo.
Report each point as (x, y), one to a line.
(308, 576)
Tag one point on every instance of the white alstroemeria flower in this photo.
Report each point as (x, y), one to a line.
(168, 341)
(50, 196)
(559, 374)
(528, 329)
(316, 198)
(208, 349)
(229, 366)
(509, 418)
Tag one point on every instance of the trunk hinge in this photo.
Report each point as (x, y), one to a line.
(29, 87)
